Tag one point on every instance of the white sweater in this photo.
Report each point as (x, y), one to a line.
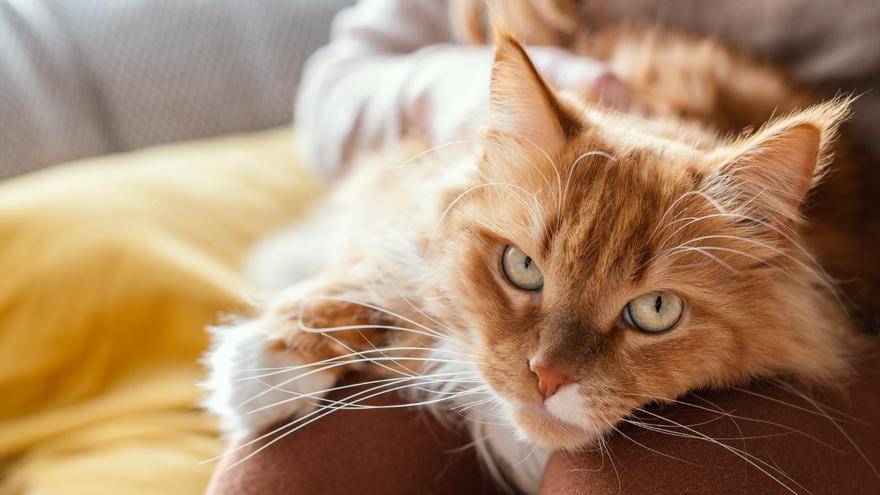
(394, 68)
(390, 63)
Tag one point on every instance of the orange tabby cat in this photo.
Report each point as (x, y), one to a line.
(573, 265)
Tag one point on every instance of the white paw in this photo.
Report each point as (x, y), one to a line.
(247, 390)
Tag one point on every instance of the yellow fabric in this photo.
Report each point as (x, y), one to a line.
(110, 270)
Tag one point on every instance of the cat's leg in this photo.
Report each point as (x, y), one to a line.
(263, 370)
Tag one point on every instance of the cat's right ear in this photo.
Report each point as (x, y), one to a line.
(522, 106)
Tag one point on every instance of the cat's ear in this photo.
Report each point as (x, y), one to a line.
(522, 105)
(775, 168)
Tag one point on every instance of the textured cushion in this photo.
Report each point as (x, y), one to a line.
(84, 78)
(111, 269)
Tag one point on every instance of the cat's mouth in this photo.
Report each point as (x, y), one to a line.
(543, 427)
(562, 422)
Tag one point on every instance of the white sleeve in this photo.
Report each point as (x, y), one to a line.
(386, 72)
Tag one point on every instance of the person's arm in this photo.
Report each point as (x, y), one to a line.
(364, 87)
(388, 451)
(392, 69)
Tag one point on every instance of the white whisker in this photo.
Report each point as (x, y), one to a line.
(285, 369)
(430, 150)
(575, 164)
(319, 394)
(396, 315)
(299, 423)
(749, 458)
(451, 205)
(343, 363)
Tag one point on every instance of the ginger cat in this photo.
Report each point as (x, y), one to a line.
(568, 268)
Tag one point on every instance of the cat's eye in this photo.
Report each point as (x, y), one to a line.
(654, 312)
(520, 270)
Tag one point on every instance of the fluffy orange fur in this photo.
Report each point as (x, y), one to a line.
(609, 206)
(668, 204)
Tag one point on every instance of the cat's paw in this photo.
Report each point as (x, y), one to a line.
(252, 384)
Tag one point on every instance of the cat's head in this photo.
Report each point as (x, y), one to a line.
(604, 262)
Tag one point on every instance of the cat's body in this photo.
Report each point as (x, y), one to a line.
(408, 256)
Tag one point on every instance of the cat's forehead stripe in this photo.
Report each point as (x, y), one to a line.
(609, 223)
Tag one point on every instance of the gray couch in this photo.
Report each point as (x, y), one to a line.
(81, 78)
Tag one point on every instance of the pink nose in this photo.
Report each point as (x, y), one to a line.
(549, 380)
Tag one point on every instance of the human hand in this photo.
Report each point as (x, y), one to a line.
(590, 77)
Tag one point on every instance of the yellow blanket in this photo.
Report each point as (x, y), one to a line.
(110, 269)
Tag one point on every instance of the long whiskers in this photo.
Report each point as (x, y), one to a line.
(341, 358)
(624, 435)
(319, 395)
(431, 150)
(839, 428)
(678, 200)
(323, 402)
(318, 414)
(571, 172)
(427, 330)
(451, 205)
(752, 460)
(344, 363)
(733, 417)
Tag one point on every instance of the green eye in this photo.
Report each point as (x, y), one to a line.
(654, 312)
(520, 269)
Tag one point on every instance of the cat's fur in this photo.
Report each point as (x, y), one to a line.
(609, 206)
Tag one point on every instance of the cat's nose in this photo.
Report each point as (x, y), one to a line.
(549, 380)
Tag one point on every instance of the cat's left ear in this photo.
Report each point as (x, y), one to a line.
(775, 168)
(522, 105)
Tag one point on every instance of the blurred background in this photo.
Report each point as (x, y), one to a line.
(90, 77)
(114, 263)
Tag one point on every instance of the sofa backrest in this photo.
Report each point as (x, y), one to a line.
(90, 77)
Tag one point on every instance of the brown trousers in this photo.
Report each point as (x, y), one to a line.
(761, 440)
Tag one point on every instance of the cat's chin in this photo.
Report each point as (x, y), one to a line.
(543, 428)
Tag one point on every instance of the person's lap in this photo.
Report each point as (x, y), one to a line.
(767, 438)
(381, 451)
(764, 439)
